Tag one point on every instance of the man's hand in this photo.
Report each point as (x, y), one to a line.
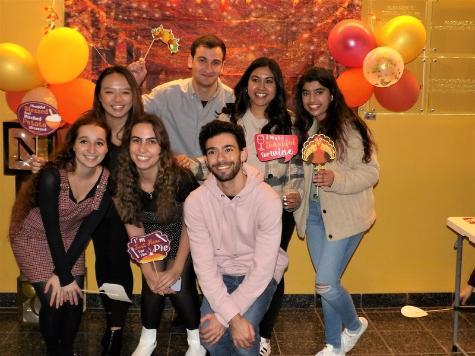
(211, 330)
(138, 70)
(242, 332)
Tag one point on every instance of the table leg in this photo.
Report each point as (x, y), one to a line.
(458, 274)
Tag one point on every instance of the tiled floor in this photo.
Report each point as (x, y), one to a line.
(298, 332)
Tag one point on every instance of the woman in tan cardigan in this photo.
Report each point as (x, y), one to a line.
(335, 216)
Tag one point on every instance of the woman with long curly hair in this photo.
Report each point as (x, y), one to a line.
(52, 220)
(151, 189)
(261, 108)
(335, 216)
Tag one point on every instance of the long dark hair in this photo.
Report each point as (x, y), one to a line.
(129, 194)
(137, 106)
(64, 159)
(338, 115)
(276, 112)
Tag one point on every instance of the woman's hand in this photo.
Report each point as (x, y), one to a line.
(53, 283)
(183, 161)
(323, 178)
(291, 200)
(36, 163)
(167, 279)
(151, 277)
(71, 293)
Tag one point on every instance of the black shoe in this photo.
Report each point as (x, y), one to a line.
(112, 342)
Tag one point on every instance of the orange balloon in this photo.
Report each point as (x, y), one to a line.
(401, 96)
(13, 99)
(74, 98)
(354, 87)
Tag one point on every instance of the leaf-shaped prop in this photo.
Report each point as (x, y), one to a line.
(166, 36)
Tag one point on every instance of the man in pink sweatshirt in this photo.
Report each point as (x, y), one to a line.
(234, 225)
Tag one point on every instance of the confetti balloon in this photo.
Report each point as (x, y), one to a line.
(405, 34)
(62, 55)
(349, 42)
(41, 94)
(18, 69)
(383, 66)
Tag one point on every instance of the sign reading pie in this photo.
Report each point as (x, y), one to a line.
(150, 247)
(270, 147)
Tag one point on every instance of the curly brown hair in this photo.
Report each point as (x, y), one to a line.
(64, 159)
(128, 192)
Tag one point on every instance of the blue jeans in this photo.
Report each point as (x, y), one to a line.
(254, 315)
(330, 259)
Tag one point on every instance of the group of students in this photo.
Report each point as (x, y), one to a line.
(131, 166)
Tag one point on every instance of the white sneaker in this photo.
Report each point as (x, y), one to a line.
(348, 339)
(264, 347)
(196, 350)
(328, 350)
(144, 349)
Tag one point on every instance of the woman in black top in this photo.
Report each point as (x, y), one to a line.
(117, 100)
(52, 220)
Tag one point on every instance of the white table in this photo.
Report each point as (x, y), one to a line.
(465, 229)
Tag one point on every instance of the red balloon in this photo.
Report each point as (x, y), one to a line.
(400, 96)
(74, 98)
(354, 87)
(13, 99)
(350, 41)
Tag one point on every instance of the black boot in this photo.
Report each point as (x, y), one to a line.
(112, 342)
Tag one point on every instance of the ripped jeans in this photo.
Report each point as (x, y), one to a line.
(330, 259)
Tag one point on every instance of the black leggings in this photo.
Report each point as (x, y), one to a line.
(186, 302)
(59, 326)
(267, 323)
(113, 264)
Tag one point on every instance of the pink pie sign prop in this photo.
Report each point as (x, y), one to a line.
(319, 149)
(150, 247)
(270, 147)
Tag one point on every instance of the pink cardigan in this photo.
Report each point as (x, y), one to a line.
(238, 237)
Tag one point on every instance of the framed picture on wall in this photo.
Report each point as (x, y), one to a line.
(19, 145)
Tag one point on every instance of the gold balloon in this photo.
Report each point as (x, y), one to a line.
(28, 290)
(405, 34)
(383, 66)
(18, 69)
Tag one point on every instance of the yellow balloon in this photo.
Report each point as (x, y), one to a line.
(62, 55)
(383, 66)
(18, 69)
(405, 34)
